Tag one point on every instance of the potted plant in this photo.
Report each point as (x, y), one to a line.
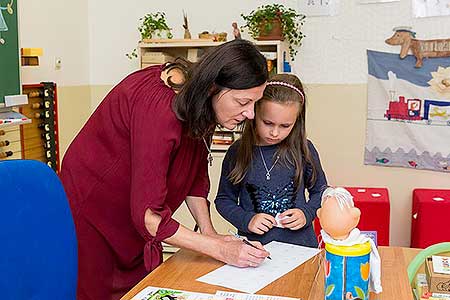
(276, 22)
(152, 24)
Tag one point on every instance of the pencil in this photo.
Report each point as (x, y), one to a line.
(250, 244)
(244, 240)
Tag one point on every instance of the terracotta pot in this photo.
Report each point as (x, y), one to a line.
(275, 34)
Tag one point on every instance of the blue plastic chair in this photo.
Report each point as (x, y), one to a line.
(38, 246)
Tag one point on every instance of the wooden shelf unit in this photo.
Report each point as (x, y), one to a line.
(277, 49)
(40, 139)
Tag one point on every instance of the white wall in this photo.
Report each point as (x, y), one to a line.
(334, 50)
(92, 38)
(61, 29)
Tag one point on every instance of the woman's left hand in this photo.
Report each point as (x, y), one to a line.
(294, 219)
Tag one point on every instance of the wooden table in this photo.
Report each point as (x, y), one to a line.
(181, 270)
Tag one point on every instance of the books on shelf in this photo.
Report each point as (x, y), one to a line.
(10, 117)
(157, 293)
(156, 57)
(269, 55)
(223, 138)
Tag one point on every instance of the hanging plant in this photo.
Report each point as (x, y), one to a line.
(261, 21)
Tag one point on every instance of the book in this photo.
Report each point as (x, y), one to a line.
(158, 293)
(156, 57)
(441, 264)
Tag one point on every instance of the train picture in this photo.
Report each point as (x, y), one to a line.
(432, 111)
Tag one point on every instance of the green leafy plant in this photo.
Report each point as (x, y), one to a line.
(263, 17)
(150, 25)
(154, 23)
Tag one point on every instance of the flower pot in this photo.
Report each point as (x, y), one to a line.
(275, 34)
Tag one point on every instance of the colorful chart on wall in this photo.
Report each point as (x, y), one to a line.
(430, 8)
(9, 50)
(408, 118)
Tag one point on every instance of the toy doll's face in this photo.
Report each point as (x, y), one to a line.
(335, 221)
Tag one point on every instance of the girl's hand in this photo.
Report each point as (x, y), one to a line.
(261, 223)
(295, 219)
(236, 253)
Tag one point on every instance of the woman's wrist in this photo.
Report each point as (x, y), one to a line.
(213, 247)
(209, 231)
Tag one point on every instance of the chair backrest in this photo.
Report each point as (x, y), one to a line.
(38, 245)
(419, 259)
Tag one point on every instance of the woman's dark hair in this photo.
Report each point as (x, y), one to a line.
(293, 150)
(234, 65)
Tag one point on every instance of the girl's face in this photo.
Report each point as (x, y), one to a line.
(274, 121)
(234, 106)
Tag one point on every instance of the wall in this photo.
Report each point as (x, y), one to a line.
(332, 63)
(61, 29)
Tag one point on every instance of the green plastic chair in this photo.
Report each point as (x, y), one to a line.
(415, 264)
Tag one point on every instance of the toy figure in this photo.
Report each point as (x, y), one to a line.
(187, 33)
(338, 225)
(352, 263)
(406, 38)
(236, 32)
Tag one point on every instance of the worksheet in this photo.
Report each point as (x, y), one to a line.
(285, 258)
(222, 295)
(242, 296)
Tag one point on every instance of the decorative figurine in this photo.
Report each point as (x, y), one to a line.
(352, 263)
(236, 32)
(187, 33)
(406, 38)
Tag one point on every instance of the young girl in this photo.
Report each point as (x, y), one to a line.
(266, 172)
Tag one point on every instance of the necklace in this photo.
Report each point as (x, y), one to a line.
(265, 165)
(210, 157)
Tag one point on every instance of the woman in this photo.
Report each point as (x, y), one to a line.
(142, 153)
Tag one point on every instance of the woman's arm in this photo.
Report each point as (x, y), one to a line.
(230, 251)
(199, 208)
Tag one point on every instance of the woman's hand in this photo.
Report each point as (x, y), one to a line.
(261, 223)
(236, 253)
(294, 219)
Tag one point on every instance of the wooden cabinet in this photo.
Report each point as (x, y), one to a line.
(160, 52)
(157, 53)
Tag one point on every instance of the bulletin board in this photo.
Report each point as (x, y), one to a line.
(9, 50)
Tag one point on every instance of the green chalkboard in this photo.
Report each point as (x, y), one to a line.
(9, 50)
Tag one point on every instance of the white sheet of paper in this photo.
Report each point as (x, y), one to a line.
(430, 8)
(285, 258)
(312, 8)
(242, 296)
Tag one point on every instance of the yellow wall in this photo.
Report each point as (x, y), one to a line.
(74, 108)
